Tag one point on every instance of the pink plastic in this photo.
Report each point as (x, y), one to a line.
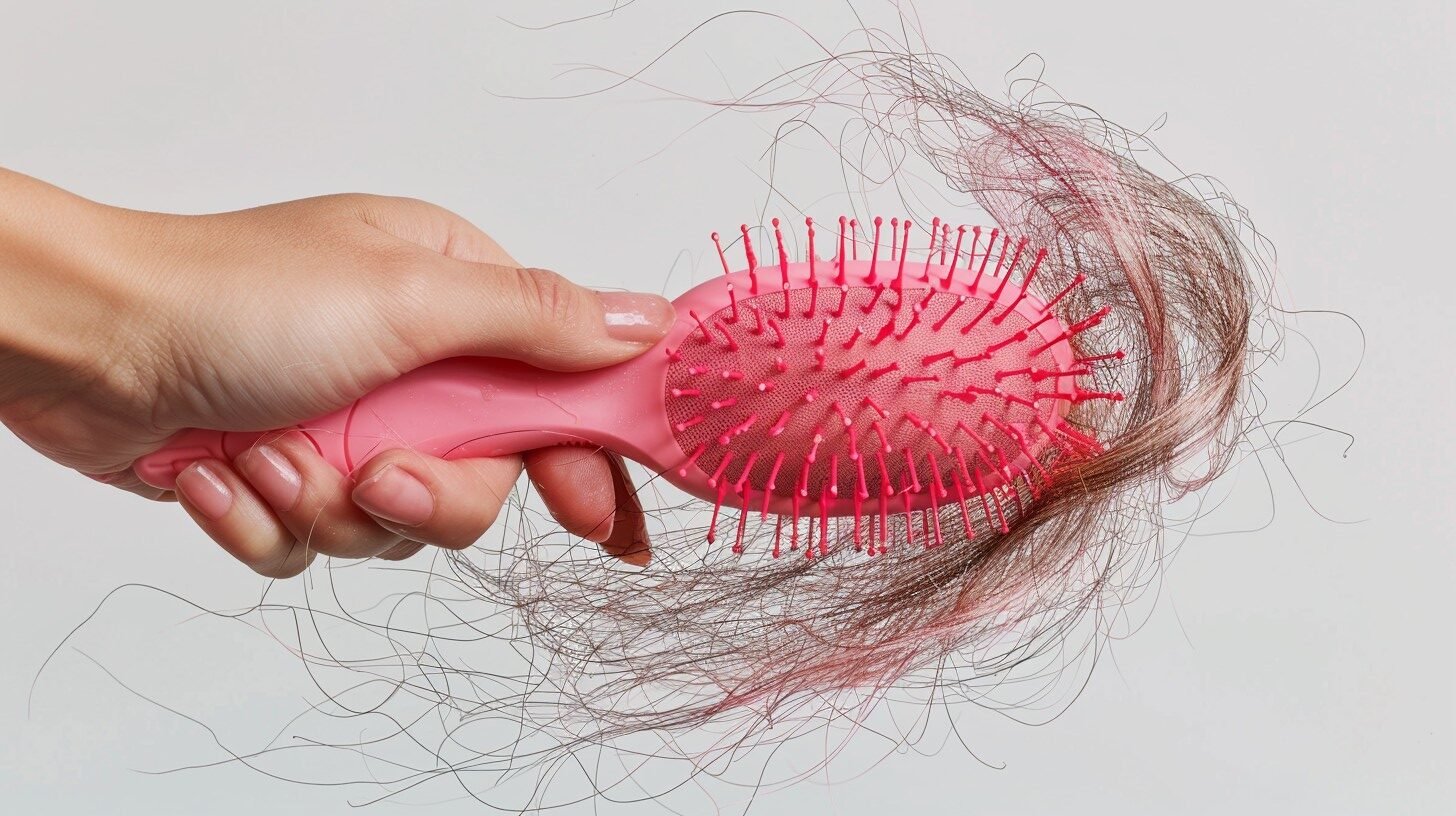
(481, 407)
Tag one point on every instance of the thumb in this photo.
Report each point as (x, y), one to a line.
(532, 315)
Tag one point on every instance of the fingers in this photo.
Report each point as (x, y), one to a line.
(432, 501)
(459, 308)
(401, 551)
(226, 507)
(128, 481)
(576, 484)
(459, 293)
(279, 504)
(430, 226)
(628, 540)
(311, 498)
(591, 495)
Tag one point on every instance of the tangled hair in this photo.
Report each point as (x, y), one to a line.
(747, 637)
(705, 655)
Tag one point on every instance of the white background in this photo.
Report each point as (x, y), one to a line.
(1306, 667)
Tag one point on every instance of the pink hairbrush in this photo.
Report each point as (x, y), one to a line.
(833, 388)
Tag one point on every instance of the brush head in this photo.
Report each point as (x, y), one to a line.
(850, 386)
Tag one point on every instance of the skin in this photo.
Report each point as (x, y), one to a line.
(123, 327)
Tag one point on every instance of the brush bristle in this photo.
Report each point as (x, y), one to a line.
(845, 388)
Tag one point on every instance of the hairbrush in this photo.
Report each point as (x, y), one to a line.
(807, 389)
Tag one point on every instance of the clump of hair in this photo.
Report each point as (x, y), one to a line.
(755, 649)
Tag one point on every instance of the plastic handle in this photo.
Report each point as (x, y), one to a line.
(464, 407)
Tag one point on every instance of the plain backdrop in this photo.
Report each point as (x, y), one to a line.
(1305, 666)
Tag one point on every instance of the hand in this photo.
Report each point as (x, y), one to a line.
(135, 325)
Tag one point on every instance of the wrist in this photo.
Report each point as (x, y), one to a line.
(65, 300)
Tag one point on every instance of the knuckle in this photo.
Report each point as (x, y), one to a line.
(551, 296)
(483, 517)
(286, 565)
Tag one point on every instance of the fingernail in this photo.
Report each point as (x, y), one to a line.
(636, 317)
(639, 557)
(200, 485)
(274, 477)
(394, 495)
(602, 532)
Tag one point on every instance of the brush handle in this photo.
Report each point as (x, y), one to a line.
(466, 407)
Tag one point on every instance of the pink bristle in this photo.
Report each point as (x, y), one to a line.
(688, 423)
(783, 256)
(939, 483)
(1025, 287)
(1077, 281)
(876, 408)
(1074, 330)
(880, 432)
(858, 511)
(1097, 358)
(1080, 396)
(870, 307)
(692, 458)
(794, 523)
(823, 524)
(954, 257)
(899, 285)
(910, 326)
(778, 332)
(852, 370)
(717, 505)
(990, 247)
(731, 344)
(718, 474)
(960, 490)
(884, 332)
(773, 476)
(839, 279)
(893, 365)
(707, 335)
(809, 228)
(930, 250)
(1006, 278)
(909, 523)
(915, 486)
(742, 525)
(727, 277)
(752, 261)
(871, 276)
(818, 439)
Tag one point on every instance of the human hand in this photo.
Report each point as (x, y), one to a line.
(136, 325)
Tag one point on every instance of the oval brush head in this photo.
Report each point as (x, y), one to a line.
(844, 387)
(879, 386)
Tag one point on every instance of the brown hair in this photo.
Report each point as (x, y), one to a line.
(706, 635)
